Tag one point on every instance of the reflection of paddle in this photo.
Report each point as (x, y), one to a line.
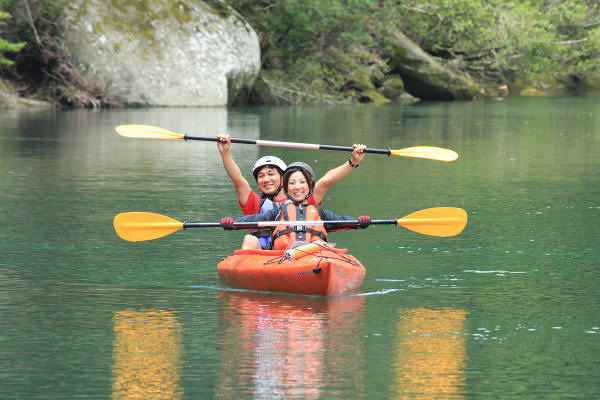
(439, 221)
(154, 132)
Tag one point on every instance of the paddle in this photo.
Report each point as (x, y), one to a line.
(139, 226)
(154, 132)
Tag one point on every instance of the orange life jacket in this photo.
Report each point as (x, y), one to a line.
(284, 235)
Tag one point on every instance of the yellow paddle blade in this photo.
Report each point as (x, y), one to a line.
(438, 221)
(146, 132)
(432, 153)
(139, 226)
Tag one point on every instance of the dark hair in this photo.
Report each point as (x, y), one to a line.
(307, 176)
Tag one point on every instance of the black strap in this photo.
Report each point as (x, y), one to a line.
(285, 216)
(262, 201)
(300, 229)
(283, 231)
(261, 233)
(285, 213)
(269, 196)
(317, 233)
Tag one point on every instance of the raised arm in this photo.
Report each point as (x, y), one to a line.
(336, 174)
(242, 187)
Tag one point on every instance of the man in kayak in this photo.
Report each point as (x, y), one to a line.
(299, 185)
(268, 173)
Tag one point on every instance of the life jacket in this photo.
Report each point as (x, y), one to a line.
(284, 235)
(265, 204)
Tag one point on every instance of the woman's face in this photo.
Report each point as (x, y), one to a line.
(297, 188)
(268, 180)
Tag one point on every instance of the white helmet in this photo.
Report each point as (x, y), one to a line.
(268, 160)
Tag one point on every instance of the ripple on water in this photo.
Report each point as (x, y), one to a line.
(444, 282)
(493, 271)
(500, 334)
(378, 292)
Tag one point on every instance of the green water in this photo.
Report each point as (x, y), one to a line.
(508, 309)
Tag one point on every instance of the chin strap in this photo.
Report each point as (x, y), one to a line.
(308, 195)
(272, 196)
(299, 203)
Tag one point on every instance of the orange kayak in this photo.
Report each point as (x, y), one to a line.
(309, 269)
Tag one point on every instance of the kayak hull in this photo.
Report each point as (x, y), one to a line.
(325, 272)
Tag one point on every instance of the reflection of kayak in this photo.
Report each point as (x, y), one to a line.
(311, 270)
(259, 306)
(275, 346)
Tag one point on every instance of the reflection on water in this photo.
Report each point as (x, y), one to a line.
(283, 346)
(147, 355)
(431, 354)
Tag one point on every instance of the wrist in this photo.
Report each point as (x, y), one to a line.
(352, 164)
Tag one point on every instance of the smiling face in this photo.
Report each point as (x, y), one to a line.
(268, 180)
(297, 187)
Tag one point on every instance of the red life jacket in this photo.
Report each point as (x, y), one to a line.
(284, 235)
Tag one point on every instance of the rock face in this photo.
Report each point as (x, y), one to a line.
(393, 89)
(164, 52)
(426, 78)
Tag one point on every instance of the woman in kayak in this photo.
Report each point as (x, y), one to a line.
(268, 173)
(299, 185)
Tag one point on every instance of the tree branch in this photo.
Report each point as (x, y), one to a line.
(571, 42)
(31, 22)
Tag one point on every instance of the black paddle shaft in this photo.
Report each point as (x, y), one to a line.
(350, 148)
(288, 144)
(254, 225)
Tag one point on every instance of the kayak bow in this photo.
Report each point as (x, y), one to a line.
(308, 269)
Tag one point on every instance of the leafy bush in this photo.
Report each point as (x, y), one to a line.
(492, 39)
(300, 37)
(5, 45)
(536, 36)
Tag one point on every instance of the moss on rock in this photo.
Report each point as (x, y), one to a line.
(590, 82)
(163, 52)
(359, 79)
(425, 77)
(393, 89)
(539, 85)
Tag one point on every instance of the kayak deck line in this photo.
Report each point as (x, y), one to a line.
(323, 271)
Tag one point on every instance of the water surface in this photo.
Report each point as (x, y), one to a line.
(507, 309)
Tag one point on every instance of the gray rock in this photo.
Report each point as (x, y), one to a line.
(393, 89)
(426, 78)
(164, 52)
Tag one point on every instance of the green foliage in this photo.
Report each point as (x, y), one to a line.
(535, 36)
(492, 39)
(442, 25)
(5, 45)
(34, 19)
(298, 36)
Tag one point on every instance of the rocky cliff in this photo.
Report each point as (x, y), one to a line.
(164, 52)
